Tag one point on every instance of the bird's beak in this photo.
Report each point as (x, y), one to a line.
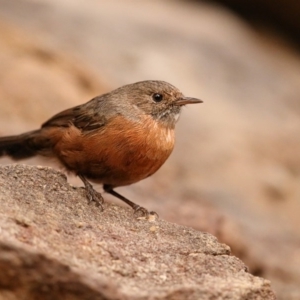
(187, 100)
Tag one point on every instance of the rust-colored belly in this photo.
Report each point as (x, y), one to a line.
(120, 153)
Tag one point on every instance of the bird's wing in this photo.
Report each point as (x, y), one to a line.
(86, 117)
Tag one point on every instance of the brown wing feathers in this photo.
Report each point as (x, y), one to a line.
(39, 141)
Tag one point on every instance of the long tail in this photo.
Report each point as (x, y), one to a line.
(21, 146)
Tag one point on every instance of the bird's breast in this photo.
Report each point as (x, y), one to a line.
(120, 153)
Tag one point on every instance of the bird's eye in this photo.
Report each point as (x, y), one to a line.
(157, 97)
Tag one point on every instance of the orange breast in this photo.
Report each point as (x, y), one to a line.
(120, 153)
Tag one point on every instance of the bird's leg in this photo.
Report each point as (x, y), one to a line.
(137, 209)
(91, 194)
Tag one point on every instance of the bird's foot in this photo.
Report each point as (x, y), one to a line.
(94, 196)
(91, 194)
(140, 211)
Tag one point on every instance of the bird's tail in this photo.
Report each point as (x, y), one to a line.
(21, 146)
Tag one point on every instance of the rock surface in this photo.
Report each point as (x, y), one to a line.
(53, 245)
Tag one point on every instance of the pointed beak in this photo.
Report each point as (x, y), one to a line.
(187, 100)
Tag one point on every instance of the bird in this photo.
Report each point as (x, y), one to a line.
(115, 139)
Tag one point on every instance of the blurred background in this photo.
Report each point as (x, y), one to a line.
(235, 170)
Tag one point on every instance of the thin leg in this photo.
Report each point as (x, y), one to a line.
(91, 194)
(107, 188)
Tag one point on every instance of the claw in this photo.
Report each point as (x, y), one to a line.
(96, 197)
(144, 212)
(91, 194)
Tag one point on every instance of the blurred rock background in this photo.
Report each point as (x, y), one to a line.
(235, 170)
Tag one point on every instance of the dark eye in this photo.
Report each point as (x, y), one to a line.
(157, 97)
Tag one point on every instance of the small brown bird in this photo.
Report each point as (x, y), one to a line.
(115, 139)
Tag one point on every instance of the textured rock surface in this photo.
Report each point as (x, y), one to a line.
(53, 245)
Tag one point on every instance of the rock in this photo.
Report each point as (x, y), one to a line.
(53, 245)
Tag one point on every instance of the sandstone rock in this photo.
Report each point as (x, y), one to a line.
(53, 245)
